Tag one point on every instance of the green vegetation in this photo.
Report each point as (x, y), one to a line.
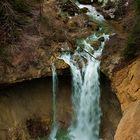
(137, 5)
(133, 43)
(13, 15)
(63, 14)
(62, 134)
(130, 48)
(45, 138)
(2, 52)
(21, 6)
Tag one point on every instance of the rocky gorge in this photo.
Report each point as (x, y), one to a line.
(48, 29)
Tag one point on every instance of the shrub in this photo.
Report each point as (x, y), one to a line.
(2, 51)
(130, 49)
(7, 23)
(137, 5)
(12, 16)
(133, 42)
(21, 6)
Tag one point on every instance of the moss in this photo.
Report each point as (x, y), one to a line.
(4, 56)
(16, 35)
(2, 51)
(84, 10)
(44, 138)
(136, 28)
(62, 134)
(63, 14)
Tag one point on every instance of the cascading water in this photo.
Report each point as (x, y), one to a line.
(92, 13)
(54, 91)
(84, 64)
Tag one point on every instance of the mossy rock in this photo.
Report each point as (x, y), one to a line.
(95, 44)
(84, 10)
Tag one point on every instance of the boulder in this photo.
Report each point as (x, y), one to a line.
(112, 54)
(95, 44)
(84, 10)
(94, 26)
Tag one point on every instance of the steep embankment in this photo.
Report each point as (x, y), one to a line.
(46, 30)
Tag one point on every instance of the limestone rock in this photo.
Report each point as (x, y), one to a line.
(112, 54)
(126, 82)
(129, 126)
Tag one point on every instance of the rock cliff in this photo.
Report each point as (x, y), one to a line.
(127, 84)
(129, 126)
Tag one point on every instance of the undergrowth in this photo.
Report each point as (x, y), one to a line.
(133, 42)
(14, 16)
(10, 19)
(21, 6)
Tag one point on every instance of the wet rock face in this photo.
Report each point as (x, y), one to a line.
(129, 126)
(113, 9)
(85, 1)
(112, 54)
(111, 110)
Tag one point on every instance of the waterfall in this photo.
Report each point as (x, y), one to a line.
(54, 91)
(84, 64)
